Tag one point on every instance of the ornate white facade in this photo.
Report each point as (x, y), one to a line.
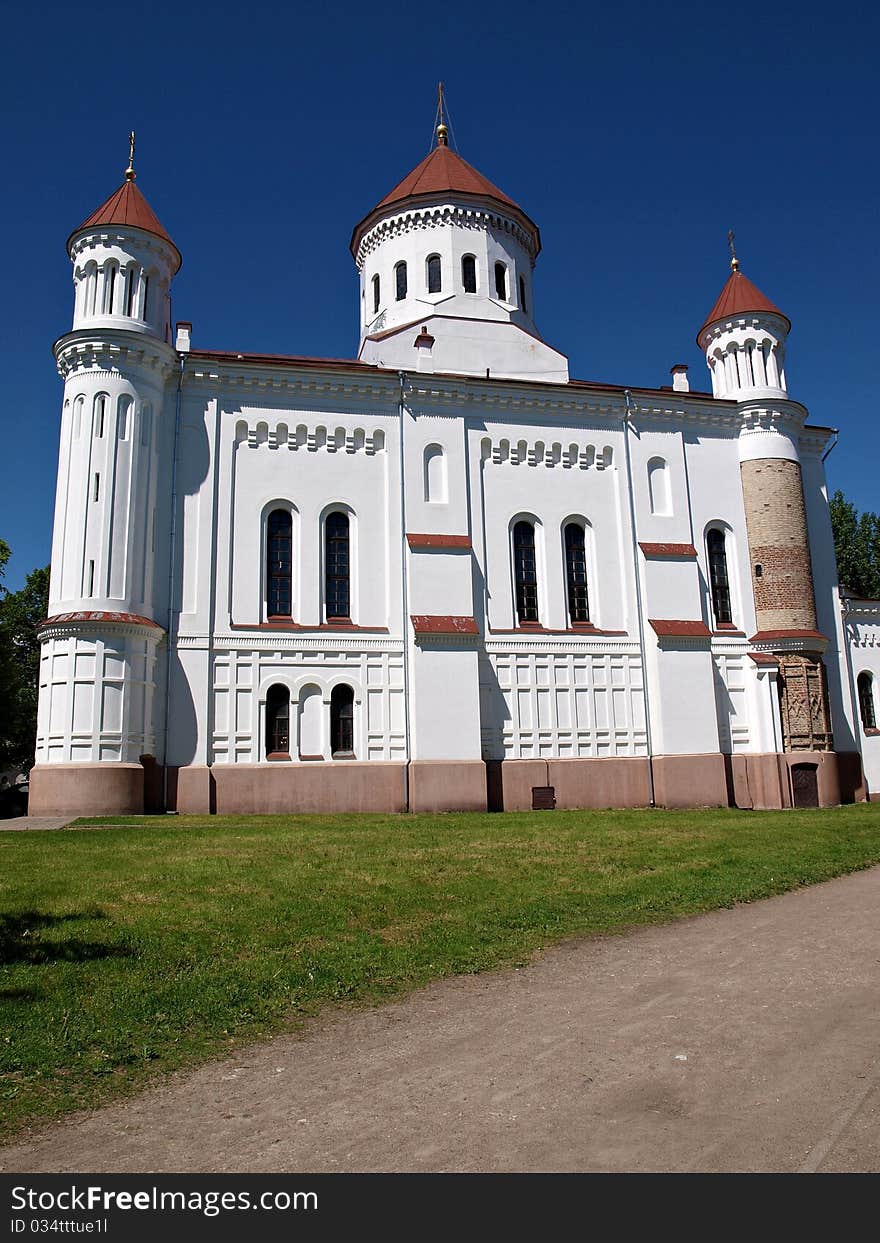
(443, 575)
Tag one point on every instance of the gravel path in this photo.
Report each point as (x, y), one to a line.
(747, 1039)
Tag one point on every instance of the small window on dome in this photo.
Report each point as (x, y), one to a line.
(434, 274)
(376, 293)
(400, 281)
(522, 295)
(501, 281)
(469, 273)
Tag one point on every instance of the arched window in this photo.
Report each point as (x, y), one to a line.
(718, 577)
(130, 290)
(100, 412)
(501, 281)
(434, 274)
(145, 305)
(658, 486)
(376, 293)
(525, 572)
(576, 573)
(278, 723)
(336, 567)
(522, 294)
(435, 474)
(109, 288)
(123, 411)
(342, 722)
(77, 416)
(866, 701)
(279, 564)
(400, 281)
(469, 273)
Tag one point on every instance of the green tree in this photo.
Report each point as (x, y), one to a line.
(20, 614)
(857, 544)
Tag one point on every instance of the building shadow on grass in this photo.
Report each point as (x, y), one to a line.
(23, 940)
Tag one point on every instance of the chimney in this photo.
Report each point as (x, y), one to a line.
(182, 341)
(680, 382)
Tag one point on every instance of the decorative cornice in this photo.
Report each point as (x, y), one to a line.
(99, 621)
(298, 641)
(562, 644)
(441, 216)
(112, 350)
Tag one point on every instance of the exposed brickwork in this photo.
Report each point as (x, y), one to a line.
(778, 541)
(806, 721)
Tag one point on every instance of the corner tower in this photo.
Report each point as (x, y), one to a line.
(445, 263)
(101, 640)
(744, 339)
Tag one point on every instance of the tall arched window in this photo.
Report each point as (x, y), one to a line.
(145, 300)
(279, 564)
(130, 290)
(400, 281)
(109, 288)
(525, 572)
(469, 273)
(336, 567)
(658, 486)
(376, 293)
(342, 722)
(865, 685)
(522, 294)
(576, 573)
(100, 413)
(434, 274)
(501, 281)
(435, 474)
(718, 577)
(278, 723)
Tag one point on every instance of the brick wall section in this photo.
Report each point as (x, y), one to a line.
(778, 541)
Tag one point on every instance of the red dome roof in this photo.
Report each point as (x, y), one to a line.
(738, 297)
(127, 206)
(445, 172)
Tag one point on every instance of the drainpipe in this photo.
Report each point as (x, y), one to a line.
(631, 409)
(171, 554)
(402, 410)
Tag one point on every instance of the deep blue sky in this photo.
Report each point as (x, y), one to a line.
(635, 134)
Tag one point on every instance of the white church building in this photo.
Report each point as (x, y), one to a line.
(443, 575)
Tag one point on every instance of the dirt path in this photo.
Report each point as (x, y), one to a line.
(742, 1040)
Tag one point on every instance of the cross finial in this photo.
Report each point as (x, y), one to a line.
(442, 129)
(129, 172)
(734, 262)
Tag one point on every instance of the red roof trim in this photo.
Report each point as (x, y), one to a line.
(102, 616)
(580, 628)
(443, 172)
(127, 207)
(764, 658)
(668, 550)
(680, 629)
(740, 297)
(423, 623)
(438, 541)
(768, 636)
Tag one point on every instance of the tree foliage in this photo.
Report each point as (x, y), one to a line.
(20, 614)
(857, 544)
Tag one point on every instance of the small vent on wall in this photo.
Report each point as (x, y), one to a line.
(543, 798)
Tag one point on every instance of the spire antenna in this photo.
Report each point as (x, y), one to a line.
(442, 128)
(129, 172)
(734, 262)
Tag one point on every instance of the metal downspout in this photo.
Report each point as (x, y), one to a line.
(171, 555)
(402, 410)
(630, 410)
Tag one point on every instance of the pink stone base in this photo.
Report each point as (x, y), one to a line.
(690, 781)
(292, 789)
(86, 790)
(613, 782)
(763, 781)
(447, 785)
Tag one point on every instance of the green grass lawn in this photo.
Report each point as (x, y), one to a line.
(129, 951)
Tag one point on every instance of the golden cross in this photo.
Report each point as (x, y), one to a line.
(734, 262)
(129, 172)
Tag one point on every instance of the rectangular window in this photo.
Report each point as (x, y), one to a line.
(91, 579)
(97, 487)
